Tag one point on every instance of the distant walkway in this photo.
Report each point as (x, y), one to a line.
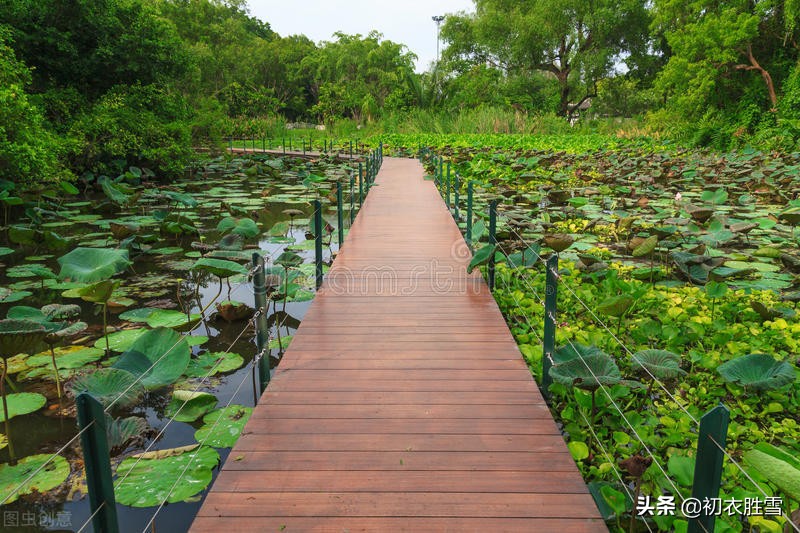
(403, 403)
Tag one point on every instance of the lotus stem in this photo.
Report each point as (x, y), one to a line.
(591, 420)
(55, 369)
(11, 454)
(105, 328)
(228, 282)
(636, 487)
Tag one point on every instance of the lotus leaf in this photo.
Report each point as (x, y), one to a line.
(589, 373)
(219, 267)
(481, 256)
(646, 247)
(51, 471)
(8, 296)
(573, 351)
(22, 403)
(280, 344)
(681, 469)
(659, 363)
(90, 265)
(67, 357)
(188, 406)
(3, 441)
(60, 311)
(222, 427)
(109, 386)
(616, 306)
(158, 357)
(289, 260)
(150, 481)
(5, 251)
(778, 466)
(19, 336)
(758, 371)
(121, 340)
(121, 430)
(245, 227)
(170, 319)
(220, 362)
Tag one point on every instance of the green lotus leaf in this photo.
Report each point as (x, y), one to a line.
(188, 406)
(481, 256)
(137, 315)
(8, 296)
(22, 403)
(121, 430)
(181, 198)
(51, 473)
(169, 318)
(116, 192)
(19, 336)
(219, 362)
(148, 482)
(3, 441)
(587, 373)
(659, 363)
(109, 386)
(758, 371)
(222, 427)
(647, 247)
(25, 312)
(574, 350)
(280, 344)
(158, 357)
(5, 251)
(121, 340)
(99, 292)
(616, 306)
(289, 260)
(219, 267)
(67, 357)
(61, 311)
(778, 466)
(246, 227)
(89, 265)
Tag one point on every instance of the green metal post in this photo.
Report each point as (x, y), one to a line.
(352, 199)
(441, 174)
(469, 213)
(711, 443)
(262, 327)
(318, 240)
(92, 421)
(492, 239)
(550, 312)
(283, 144)
(448, 186)
(263, 144)
(290, 143)
(340, 212)
(456, 194)
(304, 146)
(351, 149)
(230, 143)
(360, 185)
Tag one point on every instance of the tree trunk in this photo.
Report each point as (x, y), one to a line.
(754, 65)
(563, 81)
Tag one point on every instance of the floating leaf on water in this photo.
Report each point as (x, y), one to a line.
(137, 315)
(149, 482)
(5, 251)
(61, 311)
(275, 344)
(67, 357)
(168, 318)
(51, 471)
(159, 357)
(220, 362)
(188, 406)
(109, 385)
(246, 227)
(758, 371)
(89, 265)
(121, 340)
(222, 427)
(22, 403)
(8, 296)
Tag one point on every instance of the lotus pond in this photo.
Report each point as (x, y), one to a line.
(139, 293)
(678, 291)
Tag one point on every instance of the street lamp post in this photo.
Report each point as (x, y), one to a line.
(438, 20)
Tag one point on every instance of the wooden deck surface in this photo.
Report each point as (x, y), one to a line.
(403, 403)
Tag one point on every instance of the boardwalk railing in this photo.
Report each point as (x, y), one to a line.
(516, 271)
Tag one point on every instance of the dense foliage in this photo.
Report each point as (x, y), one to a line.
(95, 86)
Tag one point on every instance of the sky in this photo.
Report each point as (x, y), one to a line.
(402, 21)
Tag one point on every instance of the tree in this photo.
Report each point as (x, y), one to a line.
(577, 42)
(721, 50)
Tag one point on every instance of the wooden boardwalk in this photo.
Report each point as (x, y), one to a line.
(403, 403)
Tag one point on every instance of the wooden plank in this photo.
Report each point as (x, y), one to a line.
(214, 524)
(403, 402)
